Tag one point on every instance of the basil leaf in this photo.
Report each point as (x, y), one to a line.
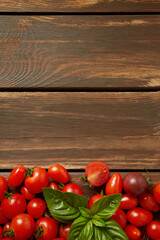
(76, 228)
(87, 232)
(97, 221)
(106, 206)
(64, 206)
(85, 212)
(100, 234)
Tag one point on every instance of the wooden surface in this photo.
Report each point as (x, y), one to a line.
(80, 6)
(122, 129)
(107, 52)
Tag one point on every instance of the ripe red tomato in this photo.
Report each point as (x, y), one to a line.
(120, 217)
(58, 239)
(13, 205)
(156, 192)
(27, 195)
(53, 186)
(128, 202)
(73, 187)
(58, 173)
(148, 202)
(132, 232)
(139, 216)
(97, 173)
(46, 228)
(114, 184)
(36, 207)
(3, 188)
(37, 180)
(16, 177)
(8, 238)
(135, 184)
(153, 230)
(64, 230)
(1, 233)
(94, 199)
(3, 219)
(7, 227)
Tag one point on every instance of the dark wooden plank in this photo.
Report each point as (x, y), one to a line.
(79, 6)
(123, 129)
(79, 51)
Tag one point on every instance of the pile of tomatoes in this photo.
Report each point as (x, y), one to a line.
(24, 214)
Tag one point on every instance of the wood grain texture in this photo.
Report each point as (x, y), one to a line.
(80, 6)
(79, 52)
(122, 129)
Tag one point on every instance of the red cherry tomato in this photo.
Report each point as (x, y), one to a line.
(135, 184)
(16, 177)
(37, 180)
(97, 173)
(94, 199)
(13, 205)
(128, 202)
(27, 195)
(36, 207)
(114, 184)
(64, 230)
(132, 232)
(120, 217)
(1, 231)
(46, 228)
(8, 238)
(53, 186)
(58, 239)
(153, 230)
(148, 202)
(139, 216)
(58, 173)
(7, 227)
(3, 219)
(3, 188)
(73, 187)
(156, 192)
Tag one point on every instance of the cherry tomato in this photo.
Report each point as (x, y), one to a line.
(135, 184)
(114, 184)
(156, 192)
(3, 188)
(53, 186)
(27, 195)
(46, 228)
(58, 239)
(7, 227)
(1, 231)
(73, 187)
(94, 199)
(3, 219)
(8, 238)
(36, 207)
(148, 202)
(58, 173)
(97, 173)
(16, 177)
(64, 230)
(120, 217)
(153, 230)
(139, 216)
(128, 202)
(38, 179)
(13, 205)
(132, 232)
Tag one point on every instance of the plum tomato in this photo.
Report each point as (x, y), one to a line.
(36, 207)
(17, 176)
(153, 230)
(46, 228)
(128, 202)
(148, 202)
(53, 186)
(135, 184)
(132, 232)
(114, 184)
(12, 205)
(139, 217)
(58, 173)
(120, 217)
(27, 195)
(64, 230)
(94, 199)
(3, 188)
(97, 173)
(37, 179)
(73, 187)
(156, 192)
(3, 219)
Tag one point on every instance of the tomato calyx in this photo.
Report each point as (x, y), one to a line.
(39, 232)
(8, 195)
(29, 172)
(148, 179)
(61, 185)
(85, 180)
(9, 233)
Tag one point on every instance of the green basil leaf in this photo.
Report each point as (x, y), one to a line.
(85, 212)
(64, 206)
(99, 234)
(87, 232)
(106, 206)
(76, 228)
(97, 221)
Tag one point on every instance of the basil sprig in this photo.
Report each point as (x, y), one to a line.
(93, 224)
